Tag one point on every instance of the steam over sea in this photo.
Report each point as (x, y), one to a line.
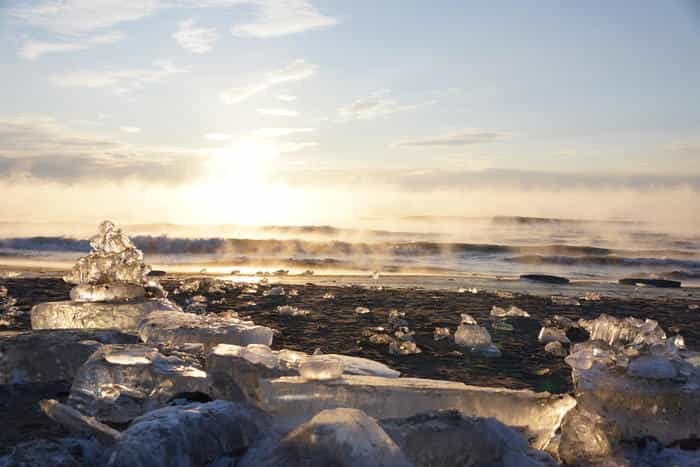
(491, 247)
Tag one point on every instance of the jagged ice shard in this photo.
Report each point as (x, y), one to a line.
(111, 290)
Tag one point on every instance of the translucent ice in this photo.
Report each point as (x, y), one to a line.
(513, 312)
(623, 331)
(441, 333)
(113, 259)
(289, 310)
(398, 347)
(652, 367)
(274, 292)
(467, 319)
(321, 367)
(549, 334)
(477, 339)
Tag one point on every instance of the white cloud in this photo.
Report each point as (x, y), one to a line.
(130, 129)
(377, 104)
(271, 18)
(287, 97)
(217, 136)
(282, 17)
(295, 71)
(278, 132)
(31, 49)
(464, 137)
(120, 81)
(75, 17)
(195, 39)
(41, 148)
(278, 112)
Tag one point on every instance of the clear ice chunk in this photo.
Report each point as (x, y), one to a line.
(321, 367)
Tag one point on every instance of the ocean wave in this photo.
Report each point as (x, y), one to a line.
(554, 253)
(605, 261)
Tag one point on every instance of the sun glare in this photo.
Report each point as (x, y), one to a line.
(236, 187)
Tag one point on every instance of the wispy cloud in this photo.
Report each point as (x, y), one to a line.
(214, 136)
(195, 39)
(41, 148)
(74, 21)
(76, 17)
(295, 71)
(130, 129)
(282, 17)
(278, 112)
(464, 137)
(377, 104)
(32, 50)
(119, 81)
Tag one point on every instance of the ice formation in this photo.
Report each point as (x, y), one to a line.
(551, 334)
(362, 310)
(174, 327)
(623, 331)
(635, 378)
(50, 355)
(289, 310)
(475, 337)
(295, 399)
(321, 367)
(449, 438)
(113, 259)
(512, 312)
(120, 382)
(441, 333)
(192, 434)
(339, 437)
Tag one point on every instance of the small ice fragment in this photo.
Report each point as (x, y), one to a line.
(376, 275)
(396, 317)
(274, 292)
(513, 311)
(474, 290)
(472, 335)
(328, 296)
(467, 319)
(555, 348)
(461, 290)
(289, 310)
(361, 310)
(549, 334)
(504, 294)
(260, 354)
(321, 367)
(291, 358)
(380, 339)
(693, 306)
(441, 333)
(398, 347)
(293, 293)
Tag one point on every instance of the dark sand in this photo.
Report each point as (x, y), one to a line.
(335, 328)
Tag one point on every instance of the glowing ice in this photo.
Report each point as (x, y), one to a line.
(321, 367)
(512, 312)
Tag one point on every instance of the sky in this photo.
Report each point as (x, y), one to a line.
(330, 111)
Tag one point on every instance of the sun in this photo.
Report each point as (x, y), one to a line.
(236, 188)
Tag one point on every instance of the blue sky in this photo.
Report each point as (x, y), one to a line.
(160, 93)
